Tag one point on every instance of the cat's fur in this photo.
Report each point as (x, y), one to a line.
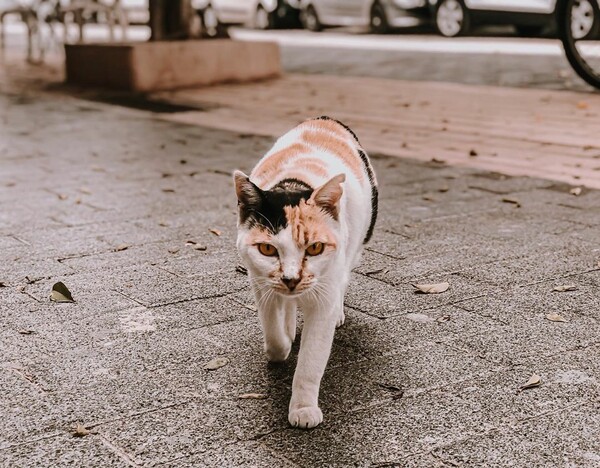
(316, 185)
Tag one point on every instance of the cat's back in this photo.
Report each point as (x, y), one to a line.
(314, 152)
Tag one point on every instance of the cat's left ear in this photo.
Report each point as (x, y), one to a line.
(328, 195)
(248, 194)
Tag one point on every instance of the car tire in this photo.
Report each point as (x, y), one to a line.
(451, 18)
(378, 22)
(310, 19)
(263, 19)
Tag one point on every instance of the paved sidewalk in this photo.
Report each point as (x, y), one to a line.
(119, 205)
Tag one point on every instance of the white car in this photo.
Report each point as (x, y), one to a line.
(530, 17)
(380, 15)
(260, 14)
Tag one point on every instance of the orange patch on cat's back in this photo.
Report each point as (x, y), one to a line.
(340, 147)
(274, 163)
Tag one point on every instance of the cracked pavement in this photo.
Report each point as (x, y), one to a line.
(119, 205)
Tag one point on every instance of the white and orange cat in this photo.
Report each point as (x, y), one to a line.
(305, 212)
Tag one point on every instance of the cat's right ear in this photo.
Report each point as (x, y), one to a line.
(248, 194)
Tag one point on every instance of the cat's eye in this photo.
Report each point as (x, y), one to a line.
(267, 250)
(315, 249)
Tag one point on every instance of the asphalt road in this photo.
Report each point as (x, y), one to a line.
(495, 61)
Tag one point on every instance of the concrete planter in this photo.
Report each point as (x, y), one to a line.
(165, 65)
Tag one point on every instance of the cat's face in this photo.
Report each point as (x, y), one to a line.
(288, 235)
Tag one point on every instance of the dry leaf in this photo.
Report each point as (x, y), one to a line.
(575, 191)
(374, 272)
(252, 396)
(428, 198)
(438, 161)
(582, 105)
(182, 161)
(121, 247)
(553, 317)
(3, 284)
(173, 250)
(443, 189)
(564, 288)
(60, 293)
(79, 430)
(27, 332)
(534, 381)
(216, 232)
(432, 288)
(201, 248)
(241, 269)
(62, 196)
(443, 318)
(473, 153)
(513, 201)
(163, 224)
(216, 363)
(168, 190)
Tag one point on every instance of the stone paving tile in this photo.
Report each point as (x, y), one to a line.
(63, 450)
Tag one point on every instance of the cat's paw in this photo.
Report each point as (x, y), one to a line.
(278, 353)
(341, 319)
(306, 418)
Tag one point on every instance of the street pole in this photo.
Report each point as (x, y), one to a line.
(170, 19)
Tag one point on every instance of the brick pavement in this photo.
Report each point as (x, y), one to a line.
(414, 380)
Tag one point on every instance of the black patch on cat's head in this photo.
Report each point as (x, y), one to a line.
(265, 208)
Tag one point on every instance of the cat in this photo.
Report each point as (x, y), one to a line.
(304, 214)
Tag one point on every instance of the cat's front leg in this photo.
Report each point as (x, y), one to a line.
(273, 313)
(315, 347)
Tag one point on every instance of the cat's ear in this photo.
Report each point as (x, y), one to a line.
(328, 195)
(248, 194)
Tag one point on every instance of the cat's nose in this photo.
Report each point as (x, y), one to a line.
(291, 283)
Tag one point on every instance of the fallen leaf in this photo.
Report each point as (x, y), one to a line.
(121, 247)
(374, 272)
(3, 284)
(216, 363)
(62, 196)
(582, 105)
(443, 318)
(473, 153)
(60, 293)
(513, 201)
(431, 288)
(534, 381)
(163, 224)
(252, 396)
(173, 250)
(241, 269)
(166, 174)
(216, 232)
(397, 392)
(78, 201)
(201, 248)
(428, 198)
(443, 189)
(575, 191)
(182, 161)
(79, 430)
(438, 161)
(27, 332)
(553, 317)
(564, 288)
(168, 190)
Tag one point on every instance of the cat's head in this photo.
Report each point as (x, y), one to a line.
(287, 235)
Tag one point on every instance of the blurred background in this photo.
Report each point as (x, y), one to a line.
(495, 42)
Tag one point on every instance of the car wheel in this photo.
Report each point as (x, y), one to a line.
(263, 19)
(378, 22)
(310, 20)
(452, 18)
(585, 20)
(211, 25)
